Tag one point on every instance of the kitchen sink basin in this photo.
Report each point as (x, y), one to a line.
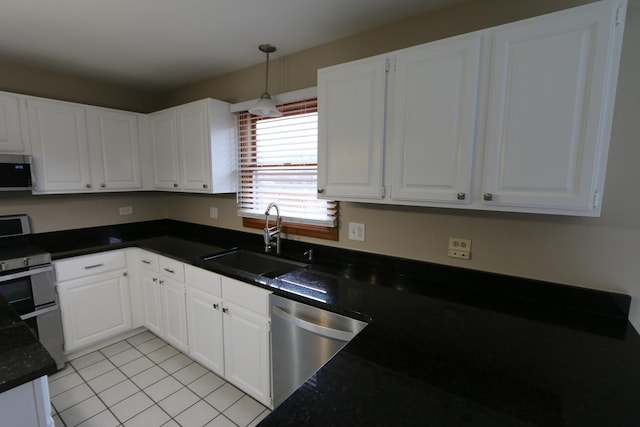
(260, 264)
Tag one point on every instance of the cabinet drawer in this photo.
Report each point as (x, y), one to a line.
(146, 259)
(204, 280)
(171, 268)
(88, 265)
(247, 296)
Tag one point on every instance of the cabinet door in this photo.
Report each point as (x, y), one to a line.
(113, 137)
(12, 139)
(204, 326)
(164, 143)
(246, 352)
(552, 80)
(60, 146)
(433, 120)
(94, 308)
(195, 146)
(174, 313)
(351, 117)
(152, 301)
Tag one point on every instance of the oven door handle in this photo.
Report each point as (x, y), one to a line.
(20, 274)
(40, 312)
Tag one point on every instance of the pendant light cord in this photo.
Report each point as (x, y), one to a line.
(266, 80)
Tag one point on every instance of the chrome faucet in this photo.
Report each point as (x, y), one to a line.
(271, 232)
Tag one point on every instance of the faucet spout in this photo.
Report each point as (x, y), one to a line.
(271, 232)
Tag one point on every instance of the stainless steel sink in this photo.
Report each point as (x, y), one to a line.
(251, 262)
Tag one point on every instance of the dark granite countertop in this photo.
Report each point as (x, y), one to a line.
(22, 357)
(444, 346)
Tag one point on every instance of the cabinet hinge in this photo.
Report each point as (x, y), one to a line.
(596, 199)
(383, 192)
(619, 15)
(387, 64)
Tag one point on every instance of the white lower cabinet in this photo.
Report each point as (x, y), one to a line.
(94, 306)
(174, 313)
(163, 298)
(27, 405)
(221, 322)
(229, 330)
(204, 323)
(151, 302)
(204, 318)
(246, 351)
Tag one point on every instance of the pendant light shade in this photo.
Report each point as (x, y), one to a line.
(264, 106)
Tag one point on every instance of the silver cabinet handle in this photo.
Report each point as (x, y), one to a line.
(168, 270)
(161, 282)
(144, 261)
(175, 185)
(488, 197)
(103, 185)
(88, 185)
(205, 186)
(216, 306)
(462, 196)
(225, 310)
(88, 267)
(320, 190)
(155, 279)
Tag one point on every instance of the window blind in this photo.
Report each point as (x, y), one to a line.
(278, 163)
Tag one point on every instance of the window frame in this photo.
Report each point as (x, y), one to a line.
(246, 137)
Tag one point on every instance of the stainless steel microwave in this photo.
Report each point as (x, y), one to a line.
(15, 172)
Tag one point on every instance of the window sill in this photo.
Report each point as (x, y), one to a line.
(319, 232)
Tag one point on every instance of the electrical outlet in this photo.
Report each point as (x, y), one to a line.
(213, 212)
(126, 210)
(458, 244)
(459, 248)
(356, 231)
(459, 254)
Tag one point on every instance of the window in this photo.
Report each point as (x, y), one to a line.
(278, 163)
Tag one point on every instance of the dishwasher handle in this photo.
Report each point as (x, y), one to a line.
(323, 331)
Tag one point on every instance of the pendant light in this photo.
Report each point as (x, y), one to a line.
(264, 106)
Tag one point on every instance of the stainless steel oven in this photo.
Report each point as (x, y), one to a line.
(27, 284)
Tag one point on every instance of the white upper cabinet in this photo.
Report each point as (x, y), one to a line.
(552, 87)
(12, 132)
(193, 147)
(164, 143)
(511, 118)
(114, 149)
(81, 148)
(351, 129)
(60, 147)
(433, 119)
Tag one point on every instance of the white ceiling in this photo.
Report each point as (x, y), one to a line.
(158, 45)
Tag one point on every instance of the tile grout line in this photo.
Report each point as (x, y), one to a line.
(105, 357)
(93, 390)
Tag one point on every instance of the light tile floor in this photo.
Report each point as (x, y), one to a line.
(143, 381)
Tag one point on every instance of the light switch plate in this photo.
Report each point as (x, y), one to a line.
(356, 231)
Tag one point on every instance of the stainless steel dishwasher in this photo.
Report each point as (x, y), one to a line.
(303, 338)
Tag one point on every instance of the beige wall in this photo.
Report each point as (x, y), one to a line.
(298, 71)
(590, 252)
(66, 87)
(63, 212)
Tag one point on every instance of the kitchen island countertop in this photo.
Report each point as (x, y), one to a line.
(22, 357)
